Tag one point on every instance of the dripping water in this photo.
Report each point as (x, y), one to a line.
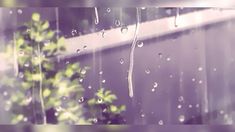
(131, 65)
(177, 17)
(96, 16)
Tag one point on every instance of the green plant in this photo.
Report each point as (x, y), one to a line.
(102, 109)
(39, 85)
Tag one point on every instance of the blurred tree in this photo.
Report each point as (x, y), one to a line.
(41, 90)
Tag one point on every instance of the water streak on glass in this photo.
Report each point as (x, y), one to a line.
(131, 65)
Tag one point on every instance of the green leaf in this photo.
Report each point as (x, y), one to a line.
(46, 92)
(45, 25)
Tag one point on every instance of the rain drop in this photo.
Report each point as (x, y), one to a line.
(142, 115)
(193, 79)
(103, 81)
(95, 120)
(179, 106)
(108, 10)
(147, 71)
(171, 76)
(5, 93)
(25, 119)
(168, 59)
(56, 114)
(153, 89)
(160, 122)
(21, 75)
(19, 11)
(190, 106)
(10, 12)
(140, 44)
(117, 23)
(214, 69)
(89, 87)
(101, 72)
(160, 55)
(200, 81)
(100, 101)
(74, 32)
(197, 105)
(83, 71)
(181, 118)
(121, 61)
(181, 99)
(155, 84)
(78, 51)
(81, 100)
(124, 29)
(81, 80)
(200, 68)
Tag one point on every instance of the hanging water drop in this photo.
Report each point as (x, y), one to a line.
(89, 87)
(153, 89)
(121, 61)
(84, 47)
(96, 16)
(200, 81)
(103, 81)
(190, 106)
(140, 44)
(78, 51)
(181, 118)
(124, 29)
(142, 115)
(101, 72)
(193, 79)
(81, 80)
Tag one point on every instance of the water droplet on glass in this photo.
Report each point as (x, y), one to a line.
(101, 72)
(100, 101)
(200, 81)
(221, 112)
(160, 122)
(181, 118)
(81, 100)
(124, 29)
(190, 106)
(89, 87)
(147, 71)
(121, 61)
(179, 106)
(117, 23)
(155, 84)
(5, 93)
(193, 79)
(200, 68)
(83, 71)
(142, 115)
(181, 99)
(103, 81)
(108, 10)
(21, 75)
(95, 120)
(73, 32)
(160, 55)
(25, 119)
(168, 59)
(78, 50)
(140, 44)
(19, 11)
(84, 47)
(96, 21)
(26, 64)
(153, 89)
(168, 11)
(103, 33)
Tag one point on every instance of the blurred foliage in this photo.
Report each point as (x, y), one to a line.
(41, 85)
(102, 109)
